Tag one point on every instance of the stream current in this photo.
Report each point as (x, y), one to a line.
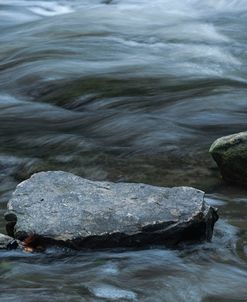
(125, 90)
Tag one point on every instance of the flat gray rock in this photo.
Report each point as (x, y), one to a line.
(62, 208)
(230, 154)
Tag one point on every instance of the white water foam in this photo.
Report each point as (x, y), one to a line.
(113, 293)
(50, 9)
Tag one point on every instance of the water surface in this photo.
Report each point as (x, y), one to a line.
(130, 90)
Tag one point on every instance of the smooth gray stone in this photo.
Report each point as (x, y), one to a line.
(7, 242)
(230, 154)
(65, 209)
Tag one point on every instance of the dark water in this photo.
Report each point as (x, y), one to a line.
(125, 91)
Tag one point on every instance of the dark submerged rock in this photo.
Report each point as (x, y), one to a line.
(64, 209)
(230, 154)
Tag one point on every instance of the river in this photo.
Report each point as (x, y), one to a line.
(125, 90)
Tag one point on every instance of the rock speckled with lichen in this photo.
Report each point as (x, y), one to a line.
(230, 154)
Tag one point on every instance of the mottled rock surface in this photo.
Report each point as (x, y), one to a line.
(65, 209)
(7, 242)
(230, 154)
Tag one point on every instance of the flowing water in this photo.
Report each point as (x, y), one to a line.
(125, 90)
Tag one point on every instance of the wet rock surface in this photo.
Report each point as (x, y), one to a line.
(61, 208)
(7, 242)
(230, 154)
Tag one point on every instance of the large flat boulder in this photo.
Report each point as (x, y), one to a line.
(230, 154)
(62, 208)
